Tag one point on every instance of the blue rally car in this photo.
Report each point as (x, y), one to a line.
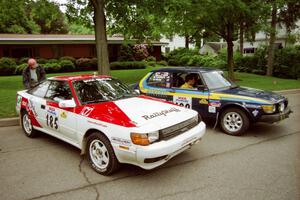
(215, 98)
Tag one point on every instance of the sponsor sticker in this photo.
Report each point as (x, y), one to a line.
(86, 111)
(159, 76)
(121, 141)
(214, 103)
(24, 103)
(96, 123)
(212, 109)
(203, 101)
(19, 100)
(51, 111)
(160, 113)
(183, 101)
(31, 107)
(63, 115)
(255, 112)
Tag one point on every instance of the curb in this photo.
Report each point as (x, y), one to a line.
(292, 91)
(15, 121)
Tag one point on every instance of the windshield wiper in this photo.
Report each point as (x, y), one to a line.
(125, 96)
(233, 86)
(94, 101)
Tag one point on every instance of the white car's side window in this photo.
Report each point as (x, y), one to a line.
(40, 90)
(59, 89)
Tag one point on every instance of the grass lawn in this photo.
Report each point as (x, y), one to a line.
(9, 85)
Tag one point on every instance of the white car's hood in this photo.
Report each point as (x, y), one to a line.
(144, 111)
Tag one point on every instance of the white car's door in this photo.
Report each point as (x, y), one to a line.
(60, 121)
(37, 103)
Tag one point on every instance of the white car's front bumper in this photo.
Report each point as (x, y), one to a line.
(156, 154)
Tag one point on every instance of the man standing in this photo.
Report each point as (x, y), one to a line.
(33, 74)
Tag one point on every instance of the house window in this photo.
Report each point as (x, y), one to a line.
(249, 50)
(167, 49)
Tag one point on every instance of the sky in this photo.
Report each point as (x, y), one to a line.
(62, 8)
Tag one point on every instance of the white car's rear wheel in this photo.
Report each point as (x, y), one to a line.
(27, 125)
(100, 154)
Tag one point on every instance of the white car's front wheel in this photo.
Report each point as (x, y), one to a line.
(100, 154)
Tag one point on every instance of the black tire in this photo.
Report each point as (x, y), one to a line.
(27, 126)
(234, 121)
(105, 151)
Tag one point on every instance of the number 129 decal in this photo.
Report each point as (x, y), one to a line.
(52, 121)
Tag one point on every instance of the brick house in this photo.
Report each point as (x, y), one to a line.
(55, 46)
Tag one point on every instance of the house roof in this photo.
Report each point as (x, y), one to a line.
(62, 39)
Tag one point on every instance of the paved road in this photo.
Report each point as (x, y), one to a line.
(263, 164)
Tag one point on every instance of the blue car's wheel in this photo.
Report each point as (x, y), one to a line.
(234, 121)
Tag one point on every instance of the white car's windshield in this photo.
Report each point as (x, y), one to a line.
(98, 90)
(216, 80)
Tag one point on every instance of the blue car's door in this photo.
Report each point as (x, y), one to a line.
(194, 99)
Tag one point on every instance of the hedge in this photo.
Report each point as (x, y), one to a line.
(128, 65)
(286, 61)
(7, 66)
(86, 64)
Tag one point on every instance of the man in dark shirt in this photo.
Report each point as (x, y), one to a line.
(33, 74)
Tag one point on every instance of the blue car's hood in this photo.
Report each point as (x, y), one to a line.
(255, 93)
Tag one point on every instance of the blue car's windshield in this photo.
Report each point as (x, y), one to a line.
(216, 80)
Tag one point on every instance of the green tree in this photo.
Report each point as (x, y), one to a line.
(222, 17)
(130, 18)
(13, 17)
(47, 16)
(285, 12)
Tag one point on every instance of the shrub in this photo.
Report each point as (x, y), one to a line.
(151, 59)
(41, 60)
(182, 56)
(94, 63)
(151, 63)
(52, 61)
(184, 59)
(20, 68)
(128, 65)
(86, 64)
(258, 71)
(126, 53)
(287, 62)
(140, 52)
(52, 67)
(163, 63)
(73, 60)
(23, 60)
(7, 66)
(173, 62)
(67, 66)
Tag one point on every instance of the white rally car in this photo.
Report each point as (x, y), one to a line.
(108, 122)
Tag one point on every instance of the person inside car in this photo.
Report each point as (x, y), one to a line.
(190, 81)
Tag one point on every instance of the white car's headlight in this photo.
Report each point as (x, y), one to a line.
(144, 139)
(269, 108)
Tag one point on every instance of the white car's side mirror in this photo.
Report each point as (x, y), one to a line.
(67, 104)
